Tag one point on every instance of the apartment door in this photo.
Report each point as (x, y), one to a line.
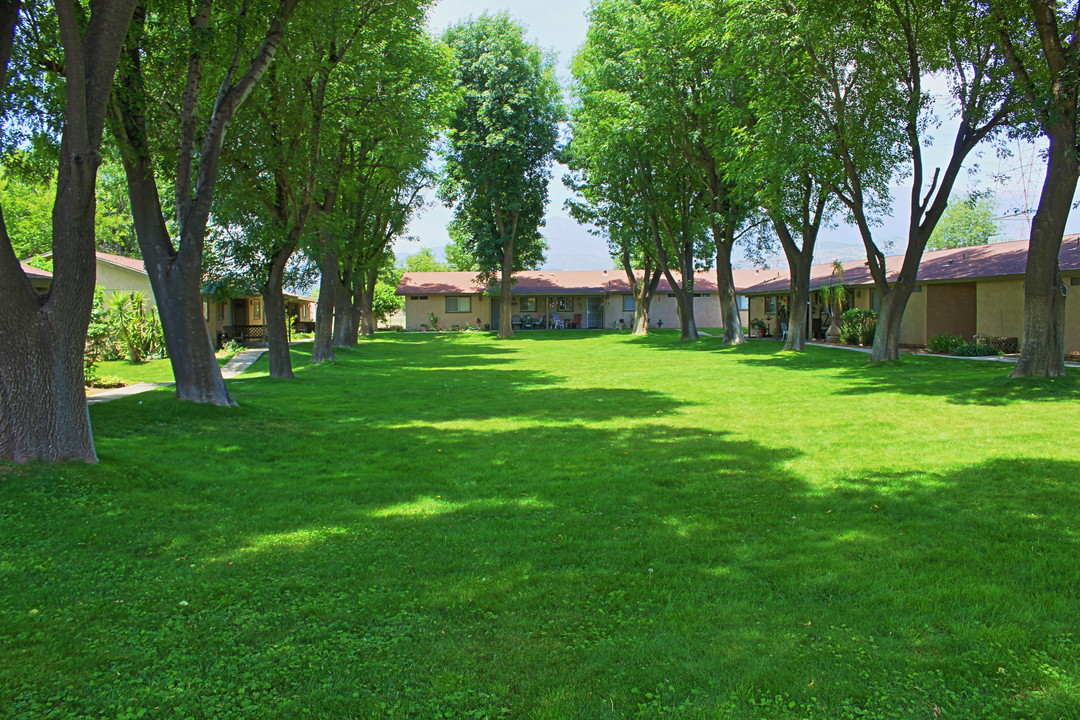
(594, 312)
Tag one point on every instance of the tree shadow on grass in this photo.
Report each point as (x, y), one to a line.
(961, 382)
(555, 568)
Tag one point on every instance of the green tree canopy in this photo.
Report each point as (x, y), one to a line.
(969, 222)
(424, 261)
(500, 148)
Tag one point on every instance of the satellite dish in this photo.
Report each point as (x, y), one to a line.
(1063, 289)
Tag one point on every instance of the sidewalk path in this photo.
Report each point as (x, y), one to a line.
(986, 358)
(240, 362)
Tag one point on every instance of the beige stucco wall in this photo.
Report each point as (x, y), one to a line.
(1000, 308)
(212, 310)
(1072, 318)
(418, 312)
(706, 311)
(117, 279)
(913, 324)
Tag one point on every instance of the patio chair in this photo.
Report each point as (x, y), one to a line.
(540, 323)
(557, 322)
(515, 321)
(577, 320)
(527, 323)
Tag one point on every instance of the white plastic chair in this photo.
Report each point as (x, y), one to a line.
(557, 322)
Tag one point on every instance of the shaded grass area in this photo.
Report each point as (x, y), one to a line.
(578, 525)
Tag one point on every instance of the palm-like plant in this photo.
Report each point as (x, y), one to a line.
(833, 294)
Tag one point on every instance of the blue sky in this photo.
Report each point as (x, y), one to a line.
(560, 26)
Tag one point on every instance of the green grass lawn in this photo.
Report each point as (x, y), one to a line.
(562, 525)
(130, 373)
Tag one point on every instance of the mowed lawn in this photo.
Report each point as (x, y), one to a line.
(562, 525)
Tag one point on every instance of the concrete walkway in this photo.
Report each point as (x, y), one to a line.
(240, 362)
(985, 358)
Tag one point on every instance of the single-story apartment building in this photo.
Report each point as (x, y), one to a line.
(962, 291)
(579, 298)
(238, 317)
(41, 280)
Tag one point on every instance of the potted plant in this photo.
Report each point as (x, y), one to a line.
(758, 327)
(833, 295)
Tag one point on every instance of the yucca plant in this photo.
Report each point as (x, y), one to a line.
(138, 329)
(834, 295)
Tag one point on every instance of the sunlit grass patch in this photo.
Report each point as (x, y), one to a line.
(584, 525)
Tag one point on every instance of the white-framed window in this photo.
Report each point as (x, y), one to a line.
(628, 303)
(206, 309)
(743, 301)
(528, 304)
(257, 310)
(770, 304)
(418, 297)
(564, 304)
(221, 311)
(456, 304)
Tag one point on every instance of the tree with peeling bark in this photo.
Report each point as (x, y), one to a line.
(500, 149)
(170, 118)
(43, 413)
(872, 64)
(1040, 40)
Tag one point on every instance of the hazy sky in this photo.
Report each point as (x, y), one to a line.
(560, 26)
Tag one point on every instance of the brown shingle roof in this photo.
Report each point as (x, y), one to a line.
(554, 282)
(1008, 259)
(35, 273)
(997, 260)
(127, 263)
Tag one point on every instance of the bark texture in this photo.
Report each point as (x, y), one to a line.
(1042, 348)
(43, 413)
(277, 321)
(176, 271)
(506, 285)
(323, 349)
(725, 285)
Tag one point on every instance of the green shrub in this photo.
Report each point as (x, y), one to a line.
(135, 330)
(945, 344)
(857, 326)
(974, 349)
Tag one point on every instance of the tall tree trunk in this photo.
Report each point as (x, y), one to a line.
(799, 304)
(506, 284)
(687, 321)
(277, 323)
(176, 273)
(887, 336)
(344, 334)
(323, 349)
(177, 287)
(1042, 349)
(366, 301)
(43, 413)
(725, 285)
(355, 318)
(643, 289)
